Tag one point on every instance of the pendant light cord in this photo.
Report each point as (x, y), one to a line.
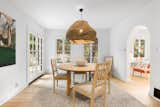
(81, 15)
(81, 11)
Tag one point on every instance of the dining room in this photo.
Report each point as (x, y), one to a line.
(57, 53)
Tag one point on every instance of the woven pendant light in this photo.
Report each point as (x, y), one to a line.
(80, 32)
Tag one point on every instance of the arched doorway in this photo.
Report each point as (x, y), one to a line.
(138, 48)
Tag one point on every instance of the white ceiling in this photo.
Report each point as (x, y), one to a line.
(60, 14)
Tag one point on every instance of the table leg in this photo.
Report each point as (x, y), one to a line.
(145, 73)
(68, 83)
(90, 76)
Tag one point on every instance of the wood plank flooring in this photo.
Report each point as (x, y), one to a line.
(137, 87)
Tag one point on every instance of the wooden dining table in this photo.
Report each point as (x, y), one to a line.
(69, 67)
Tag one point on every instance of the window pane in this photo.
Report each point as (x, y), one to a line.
(136, 46)
(91, 52)
(59, 46)
(31, 41)
(59, 50)
(87, 52)
(67, 47)
(142, 48)
(95, 51)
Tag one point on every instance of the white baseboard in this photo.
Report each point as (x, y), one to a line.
(7, 98)
(155, 98)
(122, 79)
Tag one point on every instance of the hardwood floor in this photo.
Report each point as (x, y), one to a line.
(137, 87)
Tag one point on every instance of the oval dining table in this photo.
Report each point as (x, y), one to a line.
(69, 67)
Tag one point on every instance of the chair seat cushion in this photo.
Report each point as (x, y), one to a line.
(141, 70)
(86, 89)
(60, 75)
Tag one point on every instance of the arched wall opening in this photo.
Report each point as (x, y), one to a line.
(138, 33)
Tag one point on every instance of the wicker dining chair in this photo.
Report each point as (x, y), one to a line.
(110, 60)
(98, 85)
(56, 74)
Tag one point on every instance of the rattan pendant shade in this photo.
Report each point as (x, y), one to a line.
(80, 32)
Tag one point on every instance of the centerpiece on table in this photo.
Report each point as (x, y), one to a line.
(81, 62)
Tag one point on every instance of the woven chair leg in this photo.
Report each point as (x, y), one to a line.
(104, 100)
(109, 86)
(54, 90)
(74, 98)
(86, 76)
(73, 78)
(92, 102)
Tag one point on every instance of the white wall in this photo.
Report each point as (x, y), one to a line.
(155, 48)
(14, 78)
(119, 36)
(149, 17)
(76, 50)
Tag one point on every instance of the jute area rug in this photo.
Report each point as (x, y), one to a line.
(45, 98)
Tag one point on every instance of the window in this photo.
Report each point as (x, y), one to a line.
(35, 55)
(95, 52)
(87, 52)
(142, 48)
(63, 51)
(59, 50)
(67, 51)
(139, 48)
(91, 52)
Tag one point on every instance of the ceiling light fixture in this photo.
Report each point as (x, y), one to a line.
(80, 32)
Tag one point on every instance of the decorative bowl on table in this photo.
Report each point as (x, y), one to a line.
(80, 62)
